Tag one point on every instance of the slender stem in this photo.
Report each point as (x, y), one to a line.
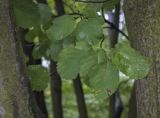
(91, 1)
(113, 26)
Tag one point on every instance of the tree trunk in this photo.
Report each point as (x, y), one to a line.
(56, 91)
(39, 107)
(56, 83)
(115, 100)
(40, 99)
(39, 95)
(14, 90)
(132, 105)
(80, 97)
(143, 23)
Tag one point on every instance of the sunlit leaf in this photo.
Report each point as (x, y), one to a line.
(129, 61)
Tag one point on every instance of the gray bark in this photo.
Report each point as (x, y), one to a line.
(14, 92)
(143, 23)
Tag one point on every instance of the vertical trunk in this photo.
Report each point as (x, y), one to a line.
(40, 99)
(80, 97)
(143, 23)
(39, 96)
(56, 83)
(77, 83)
(14, 90)
(114, 18)
(132, 105)
(39, 108)
(115, 100)
(59, 7)
(28, 49)
(56, 91)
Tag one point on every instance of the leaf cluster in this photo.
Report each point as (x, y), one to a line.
(77, 41)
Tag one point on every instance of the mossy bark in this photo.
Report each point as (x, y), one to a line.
(14, 92)
(143, 23)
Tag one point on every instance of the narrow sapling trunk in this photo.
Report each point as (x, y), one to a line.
(115, 106)
(80, 97)
(56, 83)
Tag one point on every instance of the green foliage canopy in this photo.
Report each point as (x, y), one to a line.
(75, 41)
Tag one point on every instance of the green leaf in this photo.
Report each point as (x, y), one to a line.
(26, 13)
(89, 60)
(41, 49)
(39, 77)
(129, 61)
(89, 31)
(102, 56)
(69, 62)
(90, 11)
(82, 45)
(45, 13)
(33, 33)
(69, 40)
(109, 5)
(104, 79)
(62, 27)
(55, 49)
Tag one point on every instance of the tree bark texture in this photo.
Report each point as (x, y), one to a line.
(80, 97)
(132, 105)
(143, 24)
(14, 90)
(38, 101)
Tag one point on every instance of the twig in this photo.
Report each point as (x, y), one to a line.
(101, 43)
(113, 26)
(91, 1)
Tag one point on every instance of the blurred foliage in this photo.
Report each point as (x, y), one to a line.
(97, 108)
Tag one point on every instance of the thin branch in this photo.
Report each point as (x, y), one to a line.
(113, 26)
(101, 43)
(78, 14)
(91, 1)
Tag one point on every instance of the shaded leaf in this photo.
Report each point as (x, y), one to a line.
(62, 27)
(55, 49)
(89, 31)
(104, 79)
(26, 13)
(39, 77)
(45, 13)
